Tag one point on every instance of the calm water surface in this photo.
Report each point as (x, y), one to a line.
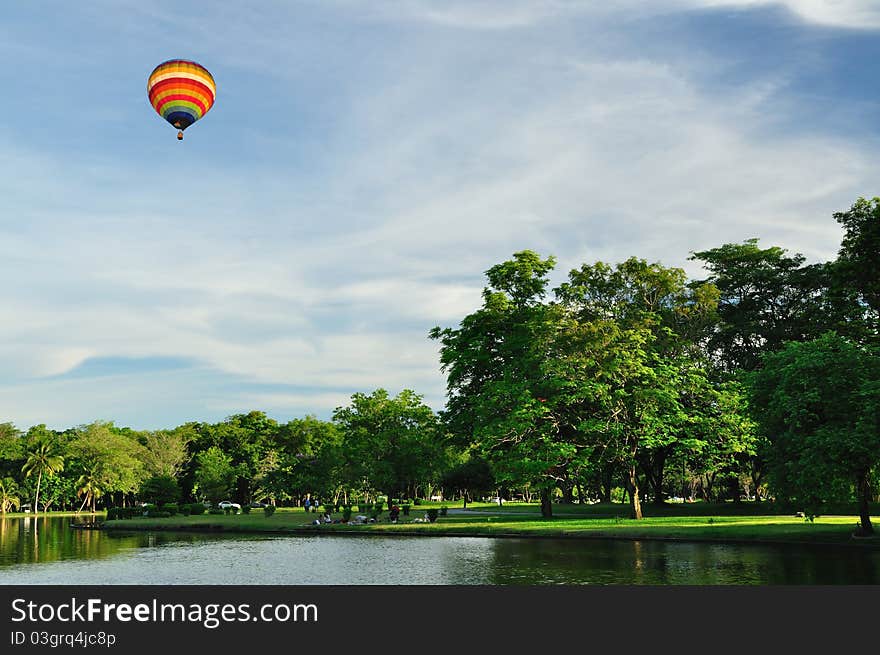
(48, 551)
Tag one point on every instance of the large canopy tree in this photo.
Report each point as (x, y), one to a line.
(500, 387)
(389, 443)
(819, 404)
(766, 297)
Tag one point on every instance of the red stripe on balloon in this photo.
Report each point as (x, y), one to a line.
(181, 83)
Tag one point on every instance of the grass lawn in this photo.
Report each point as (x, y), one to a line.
(715, 523)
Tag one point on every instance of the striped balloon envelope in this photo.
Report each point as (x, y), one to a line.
(181, 92)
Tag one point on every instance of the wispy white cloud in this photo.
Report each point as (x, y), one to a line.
(309, 261)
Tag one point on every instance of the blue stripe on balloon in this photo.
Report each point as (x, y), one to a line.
(185, 117)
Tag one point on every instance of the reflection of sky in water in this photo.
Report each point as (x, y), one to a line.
(164, 558)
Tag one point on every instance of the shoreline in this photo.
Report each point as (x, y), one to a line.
(868, 543)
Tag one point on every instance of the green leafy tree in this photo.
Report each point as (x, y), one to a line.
(818, 402)
(304, 457)
(634, 373)
(110, 456)
(160, 490)
(42, 459)
(472, 476)
(166, 452)
(499, 389)
(215, 474)
(9, 495)
(388, 443)
(88, 487)
(767, 298)
(11, 449)
(247, 440)
(856, 273)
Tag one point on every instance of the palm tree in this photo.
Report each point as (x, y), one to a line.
(44, 458)
(88, 486)
(9, 498)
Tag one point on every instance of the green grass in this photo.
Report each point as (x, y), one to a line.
(717, 524)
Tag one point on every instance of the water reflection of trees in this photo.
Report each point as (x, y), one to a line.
(588, 561)
(30, 540)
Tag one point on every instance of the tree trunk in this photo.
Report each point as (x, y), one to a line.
(635, 504)
(734, 488)
(580, 493)
(605, 484)
(567, 493)
(464, 499)
(863, 485)
(756, 475)
(546, 505)
(37, 495)
(659, 466)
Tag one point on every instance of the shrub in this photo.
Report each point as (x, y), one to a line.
(269, 510)
(196, 508)
(246, 509)
(378, 505)
(405, 507)
(443, 510)
(112, 513)
(346, 513)
(432, 514)
(329, 508)
(186, 509)
(228, 510)
(171, 508)
(158, 514)
(217, 510)
(417, 501)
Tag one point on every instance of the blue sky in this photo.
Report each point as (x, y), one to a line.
(366, 162)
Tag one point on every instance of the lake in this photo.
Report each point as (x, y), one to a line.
(46, 550)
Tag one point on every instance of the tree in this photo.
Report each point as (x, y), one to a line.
(109, 456)
(499, 390)
(9, 498)
(165, 452)
(11, 448)
(472, 475)
(42, 459)
(389, 444)
(215, 474)
(88, 486)
(633, 369)
(857, 269)
(246, 439)
(160, 490)
(767, 298)
(817, 402)
(304, 456)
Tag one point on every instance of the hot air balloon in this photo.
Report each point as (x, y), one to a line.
(181, 92)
